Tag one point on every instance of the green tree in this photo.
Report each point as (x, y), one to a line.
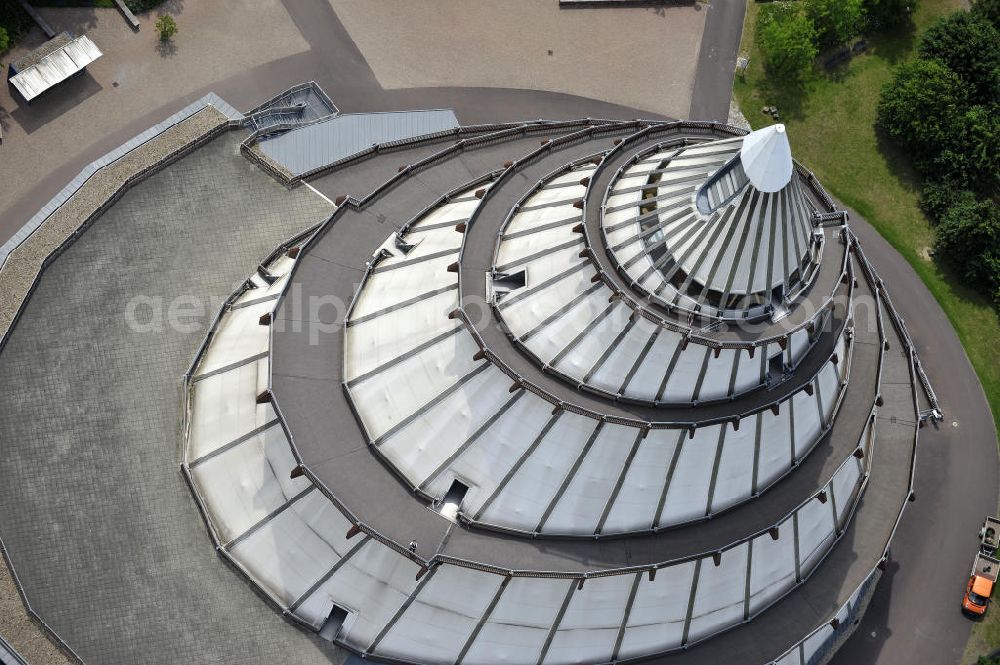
(969, 239)
(922, 108)
(941, 194)
(988, 9)
(786, 37)
(980, 143)
(969, 45)
(886, 14)
(166, 26)
(4, 39)
(836, 21)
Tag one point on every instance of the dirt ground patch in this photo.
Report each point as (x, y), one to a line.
(645, 58)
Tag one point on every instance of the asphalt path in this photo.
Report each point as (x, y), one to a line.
(713, 81)
(914, 616)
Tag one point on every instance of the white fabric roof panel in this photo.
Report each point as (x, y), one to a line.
(286, 555)
(56, 67)
(659, 611)
(530, 220)
(845, 482)
(612, 373)
(757, 246)
(375, 342)
(772, 570)
(550, 341)
(514, 251)
(816, 642)
(579, 358)
(247, 482)
(537, 304)
(589, 628)
(485, 463)
(646, 381)
(427, 441)
(719, 599)
(372, 584)
(384, 289)
(790, 658)
(750, 372)
(386, 399)
(687, 496)
(775, 446)
(635, 506)
(238, 336)
(520, 623)
(522, 503)
(582, 504)
(442, 616)
(223, 407)
(808, 424)
(816, 533)
(734, 480)
(681, 384)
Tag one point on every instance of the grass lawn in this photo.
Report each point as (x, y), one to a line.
(831, 117)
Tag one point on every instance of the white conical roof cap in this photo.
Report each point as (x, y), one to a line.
(767, 158)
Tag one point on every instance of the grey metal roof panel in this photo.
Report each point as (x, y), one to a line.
(327, 141)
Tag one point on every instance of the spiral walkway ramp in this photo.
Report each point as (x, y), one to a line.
(562, 392)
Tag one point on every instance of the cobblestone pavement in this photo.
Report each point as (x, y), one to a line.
(96, 517)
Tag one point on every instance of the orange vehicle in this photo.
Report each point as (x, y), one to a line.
(981, 583)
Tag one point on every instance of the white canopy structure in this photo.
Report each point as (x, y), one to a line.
(690, 228)
(767, 158)
(54, 62)
(524, 375)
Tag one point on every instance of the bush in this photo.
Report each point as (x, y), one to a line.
(14, 20)
(166, 26)
(835, 21)
(786, 37)
(969, 239)
(4, 40)
(969, 45)
(922, 108)
(940, 195)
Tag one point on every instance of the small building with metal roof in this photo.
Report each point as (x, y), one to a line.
(55, 61)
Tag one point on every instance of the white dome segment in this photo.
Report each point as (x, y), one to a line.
(767, 158)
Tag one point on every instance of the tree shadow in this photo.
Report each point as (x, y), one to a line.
(74, 18)
(166, 49)
(175, 7)
(896, 44)
(789, 95)
(898, 161)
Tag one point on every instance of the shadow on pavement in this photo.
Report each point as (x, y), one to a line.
(53, 103)
(869, 638)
